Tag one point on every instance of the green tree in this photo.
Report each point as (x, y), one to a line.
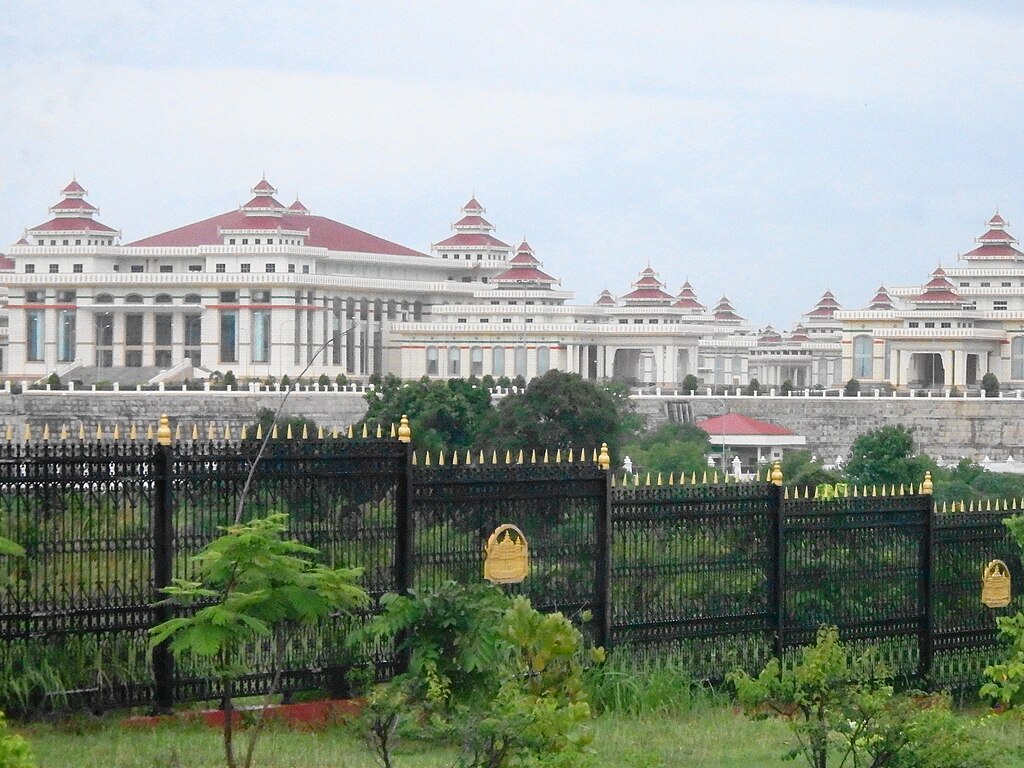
(253, 585)
(690, 383)
(445, 414)
(754, 387)
(14, 751)
(786, 388)
(884, 456)
(799, 469)
(852, 388)
(559, 409)
(670, 448)
(990, 385)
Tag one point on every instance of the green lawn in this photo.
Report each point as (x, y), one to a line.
(710, 736)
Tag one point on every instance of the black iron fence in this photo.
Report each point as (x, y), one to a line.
(719, 575)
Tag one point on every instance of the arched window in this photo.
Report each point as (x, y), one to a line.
(521, 361)
(133, 298)
(498, 362)
(431, 361)
(193, 298)
(543, 360)
(862, 363)
(163, 298)
(1017, 358)
(103, 298)
(476, 362)
(454, 361)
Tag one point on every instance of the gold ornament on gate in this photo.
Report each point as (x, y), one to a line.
(506, 556)
(995, 585)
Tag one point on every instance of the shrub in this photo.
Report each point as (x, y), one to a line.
(229, 380)
(14, 751)
(341, 380)
(754, 387)
(990, 385)
(787, 387)
(843, 710)
(690, 383)
(852, 388)
(486, 670)
(285, 381)
(323, 381)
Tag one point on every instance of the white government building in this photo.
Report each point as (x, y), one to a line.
(264, 289)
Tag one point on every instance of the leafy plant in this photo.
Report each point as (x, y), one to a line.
(852, 388)
(842, 711)
(690, 383)
(253, 585)
(488, 671)
(14, 751)
(990, 385)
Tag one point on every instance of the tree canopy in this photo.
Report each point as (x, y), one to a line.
(885, 456)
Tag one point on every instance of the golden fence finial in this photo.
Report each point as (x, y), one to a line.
(46, 431)
(404, 431)
(533, 456)
(785, 493)
(988, 505)
(480, 459)
(625, 478)
(288, 431)
(351, 433)
(874, 491)
(163, 432)
(558, 456)
(244, 433)
(469, 458)
(901, 489)
(440, 458)
(776, 473)
(365, 434)
(604, 461)
(508, 457)
(414, 458)
(659, 479)
(545, 455)
(704, 480)
(259, 431)
(648, 480)
(319, 433)
(195, 431)
(99, 431)
(132, 432)
(117, 431)
(455, 458)
(380, 431)
(693, 478)
(943, 507)
(714, 478)
(394, 432)
(149, 431)
(928, 487)
(613, 480)
(273, 431)
(519, 458)
(305, 431)
(211, 434)
(227, 432)
(335, 433)
(972, 505)
(671, 478)
(494, 456)
(81, 430)
(63, 431)
(594, 457)
(426, 459)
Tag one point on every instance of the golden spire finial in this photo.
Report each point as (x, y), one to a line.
(404, 431)
(927, 487)
(227, 432)
(288, 431)
(558, 456)
(604, 461)
(132, 432)
(440, 457)
(163, 432)
(81, 430)
(455, 457)
(273, 431)
(776, 473)
(519, 458)
(569, 460)
(508, 457)
(426, 459)
(211, 434)
(99, 431)
(414, 461)
(351, 432)
(659, 479)
(648, 480)
(63, 431)
(259, 431)
(671, 478)
(320, 433)
(244, 434)
(380, 430)
(117, 431)
(305, 431)
(394, 431)
(195, 431)
(533, 456)
(704, 480)
(149, 431)
(365, 434)
(46, 431)
(545, 455)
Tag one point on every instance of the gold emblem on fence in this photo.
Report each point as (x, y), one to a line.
(995, 585)
(506, 556)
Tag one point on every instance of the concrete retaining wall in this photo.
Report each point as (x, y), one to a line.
(947, 427)
(331, 410)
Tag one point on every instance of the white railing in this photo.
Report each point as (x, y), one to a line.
(867, 393)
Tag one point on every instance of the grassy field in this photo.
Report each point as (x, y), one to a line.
(709, 736)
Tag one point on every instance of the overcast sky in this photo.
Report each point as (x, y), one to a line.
(765, 150)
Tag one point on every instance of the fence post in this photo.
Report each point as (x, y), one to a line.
(603, 580)
(404, 526)
(163, 570)
(778, 585)
(926, 638)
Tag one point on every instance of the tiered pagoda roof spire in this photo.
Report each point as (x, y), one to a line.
(938, 290)
(882, 300)
(606, 299)
(473, 231)
(996, 243)
(648, 290)
(73, 215)
(525, 270)
(826, 307)
(263, 202)
(687, 299)
(725, 312)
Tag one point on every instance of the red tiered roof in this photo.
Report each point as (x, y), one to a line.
(939, 290)
(524, 275)
(826, 306)
(687, 299)
(6, 263)
(264, 186)
(997, 243)
(73, 214)
(799, 334)
(472, 240)
(725, 311)
(323, 232)
(648, 289)
(605, 299)
(734, 424)
(473, 206)
(473, 221)
(882, 299)
(769, 336)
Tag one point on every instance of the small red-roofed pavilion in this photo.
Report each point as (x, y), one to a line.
(753, 442)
